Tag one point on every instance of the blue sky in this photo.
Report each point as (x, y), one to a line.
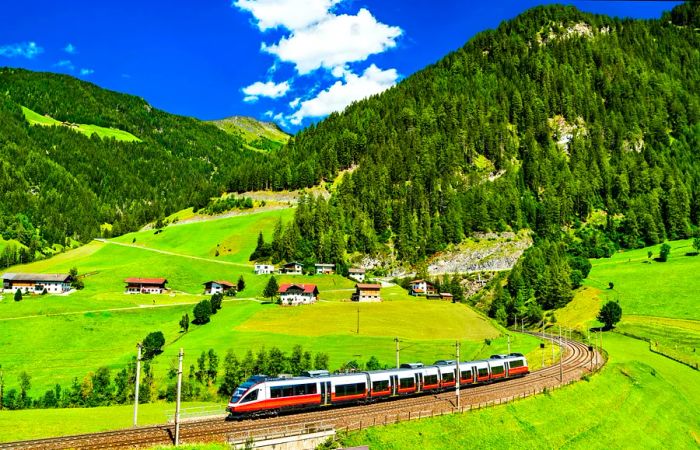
(293, 61)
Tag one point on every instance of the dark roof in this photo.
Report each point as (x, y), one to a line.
(293, 263)
(221, 282)
(146, 280)
(55, 277)
(307, 288)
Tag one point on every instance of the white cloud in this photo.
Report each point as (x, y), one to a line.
(65, 64)
(86, 72)
(70, 49)
(25, 50)
(269, 113)
(290, 14)
(334, 42)
(267, 89)
(294, 103)
(373, 81)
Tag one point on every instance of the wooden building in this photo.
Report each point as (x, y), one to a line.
(367, 293)
(145, 285)
(421, 288)
(297, 294)
(36, 283)
(357, 274)
(292, 268)
(218, 287)
(325, 269)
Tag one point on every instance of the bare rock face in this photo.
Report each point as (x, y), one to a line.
(486, 252)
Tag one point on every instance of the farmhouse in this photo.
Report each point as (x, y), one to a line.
(218, 287)
(53, 283)
(366, 293)
(264, 269)
(297, 294)
(145, 285)
(325, 269)
(292, 268)
(446, 296)
(357, 274)
(421, 287)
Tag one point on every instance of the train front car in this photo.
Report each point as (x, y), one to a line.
(262, 396)
(245, 398)
(517, 365)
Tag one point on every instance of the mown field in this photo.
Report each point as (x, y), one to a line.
(58, 338)
(639, 400)
(35, 118)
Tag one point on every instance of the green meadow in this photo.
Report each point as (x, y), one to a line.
(639, 400)
(35, 118)
(57, 338)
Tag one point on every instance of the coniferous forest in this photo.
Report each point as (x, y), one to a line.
(550, 120)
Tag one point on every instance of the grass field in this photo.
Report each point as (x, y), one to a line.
(38, 423)
(644, 286)
(35, 118)
(639, 400)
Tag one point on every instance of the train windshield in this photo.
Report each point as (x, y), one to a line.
(240, 391)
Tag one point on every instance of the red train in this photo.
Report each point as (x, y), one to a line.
(261, 395)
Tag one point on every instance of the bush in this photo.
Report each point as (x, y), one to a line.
(664, 252)
(18, 295)
(202, 312)
(216, 301)
(610, 314)
(153, 344)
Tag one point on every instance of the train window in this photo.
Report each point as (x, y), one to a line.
(430, 379)
(448, 377)
(305, 389)
(497, 370)
(379, 386)
(466, 374)
(516, 363)
(253, 395)
(483, 372)
(406, 383)
(343, 390)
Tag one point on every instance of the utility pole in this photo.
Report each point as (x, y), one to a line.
(177, 405)
(459, 375)
(551, 337)
(358, 319)
(522, 325)
(543, 343)
(509, 343)
(138, 381)
(561, 358)
(396, 339)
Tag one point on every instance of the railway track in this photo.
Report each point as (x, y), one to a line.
(576, 362)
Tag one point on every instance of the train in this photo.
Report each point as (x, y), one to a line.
(263, 396)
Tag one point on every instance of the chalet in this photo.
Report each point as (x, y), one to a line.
(218, 287)
(357, 274)
(36, 283)
(446, 296)
(264, 269)
(421, 288)
(367, 293)
(325, 269)
(292, 268)
(145, 285)
(297, 294)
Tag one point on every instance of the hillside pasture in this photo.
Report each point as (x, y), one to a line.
(35, 118)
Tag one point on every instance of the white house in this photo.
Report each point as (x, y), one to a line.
(297, 294)
(325, 269)
(36, 283)
(292, 268)
(217, 287)
(264, 269)
(357, 274)
(421, 287)
(145, 285)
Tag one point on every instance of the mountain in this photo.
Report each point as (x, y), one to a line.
(581, 127)
(74, 156)
(256, 135)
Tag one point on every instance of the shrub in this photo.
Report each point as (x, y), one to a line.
(202, 312)
(18, 295)
(153, 344)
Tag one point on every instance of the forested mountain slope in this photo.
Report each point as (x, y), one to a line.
(551, 117)
(57, 183)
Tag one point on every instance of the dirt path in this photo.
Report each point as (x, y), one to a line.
(165, 252)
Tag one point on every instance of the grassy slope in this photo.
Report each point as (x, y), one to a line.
(35, 118)
(644, 288)
(639, 400)
(16, 425)
(252, 130)
(73, 334)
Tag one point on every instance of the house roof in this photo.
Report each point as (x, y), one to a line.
(369, 286)
(307, 288)
(146, 280)
(356, 270)
(221, 282)
(445, 294)
(421, 281)
(293, 263)
(324, 265)
(55, 277)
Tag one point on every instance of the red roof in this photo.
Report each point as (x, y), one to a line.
(146, 280)
(307, 288)
(221, 282)
(368, 286)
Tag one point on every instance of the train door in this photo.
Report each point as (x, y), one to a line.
(325, 392)
(419, 382)
(474, 374)
(394, 384)
(506, 368)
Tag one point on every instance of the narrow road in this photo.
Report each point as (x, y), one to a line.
(165, 252)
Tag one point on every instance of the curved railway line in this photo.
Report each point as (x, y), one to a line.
(577, 361)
